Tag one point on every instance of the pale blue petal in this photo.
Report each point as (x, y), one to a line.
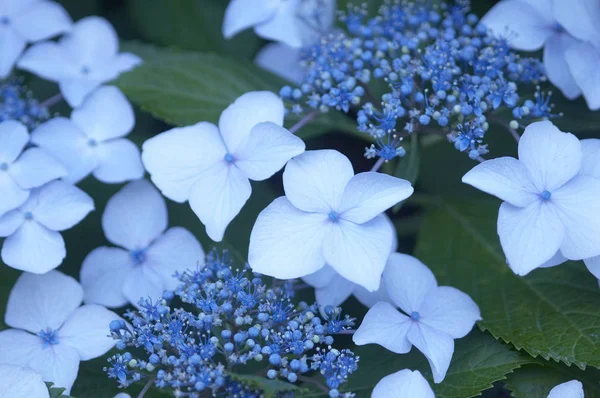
(60, 205)
(405, 383)
(102, 275)
(408, 281)
(386, 326)
(35, 167)
(449, 310)
(570, 389)
(13, 139)
(242, 14)
(42, 21)
(23, 382)
(437, 347)
(118, 161)
(583, 60)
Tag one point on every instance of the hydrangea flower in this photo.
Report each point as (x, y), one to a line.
(328, 216)
(569, 32)
(570, 389)
(136, 219)
(33, 242)
(405, 383)
(51, 333)
(23, 22)
(433, 315)
(92, 141)
(548, 205)
(21, 382)
(289, 22)
(211, 167)
(81, 61)
(22, 169)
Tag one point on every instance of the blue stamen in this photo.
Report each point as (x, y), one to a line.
(333, 216)
(3, 166)
(229, 158)
(4, 20)
(85, 70)
(48, 337)
(546, 195)
(415, 316)
(92, 142)
(138, 256)
(28, 215)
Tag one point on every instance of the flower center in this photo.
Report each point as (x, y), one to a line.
(3, 166)
(28, 215)
(334, 216)
(85, 70)
(229, 158)
(4, 20)
(415, 316)
(48, 337)
(546, 195)
(92, 142)
(138, 256)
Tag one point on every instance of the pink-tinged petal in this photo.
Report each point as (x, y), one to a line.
(238, 119)
(583, 60)
(135, 216)
(437, 347)
(529, 236)
(177, 157)
(60, 205)
(556, 65)
(591, 157)
(143, 283)
(13, 139)
(449, 310)
(35, 168)
(283, 26)
(551, 156)
(315, 181)
(408, 281)
(12, 44)
(242, 14)
(118, 161)
(103, 273)
(404, 383)
(386, 326)
(570, 389)
(39, 302)
(287, 243)
(282, 60)
(267, 150)
(23, 382)
(42, 21)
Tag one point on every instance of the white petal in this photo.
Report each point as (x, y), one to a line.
(12, 44)
(506, 178)
(242, 14)
(593, 265)
(118, 161)
(62, 139)
(321, 278)
(449, 310)
(75, 90)
(530, 236)
(282, 60)
(579, 210)
(437, 347)
(283, 26)
(92, 40)
(218, 196)
(9, 222)
(123, 62)
(39, 302)
(556, 65)
(570, 389)
(404, 383)
(524, 25)
(20, 382)
(369, 299)
(34, 248)
(13, 195)
(13, 139)
(105, 114)
(583, 60)
(591, 157)
(87, 330)
(35, 167)
(135, 216)
(551, 156)
(176, 251)
(369, 194)
(57, 364)
(285, 242)
(103, 273)
(335, 293)
(18, 347)
(315, 180)
(386, 326)
(408, 281)
(176, 157)
(142, 283)
(49, 61)
(555, 260)
(42, 21)
(238, 119)
(60, 205)
(267, 150)
(580, 18)
(358, 252)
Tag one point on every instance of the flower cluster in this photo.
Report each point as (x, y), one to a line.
(18, 103)
(234, 320)
(443, 74)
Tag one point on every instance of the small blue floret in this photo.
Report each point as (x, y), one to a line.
(48, 337)
(334, 216)
(138, 256)
(229, 158)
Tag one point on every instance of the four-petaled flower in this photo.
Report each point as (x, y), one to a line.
(433, 315)
(136, 219)
(81, 61)
(570, 389)
(52, 333)
(33, 241)
(405, 383)
(211, 167)
(24, 382)
(328, 216)
(550, 210)
(92, 140)
(22, 22)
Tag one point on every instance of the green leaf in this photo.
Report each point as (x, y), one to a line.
(554, 312)
(409, 165)
(269, 387)
(56, 392)
(184, 88)
(479, 360)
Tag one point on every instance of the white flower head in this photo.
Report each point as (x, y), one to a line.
(211, 167)
(405, 383)
(21, 382)
(433, 315)
(81, 61)
(92, 141)
(33, 241)
(570, 389)
(136, 219)
(328, 216)
(291, 22)
(51, 333)
(27, 21)
(548, 205)
(569, 31)
(22, 169)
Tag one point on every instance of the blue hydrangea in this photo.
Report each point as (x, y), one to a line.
(17, 103)
(228, 319)
(441, 71)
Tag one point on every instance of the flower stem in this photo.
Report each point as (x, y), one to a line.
(377, 165)
(302, 122)
(48, 102)
(145, 389)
